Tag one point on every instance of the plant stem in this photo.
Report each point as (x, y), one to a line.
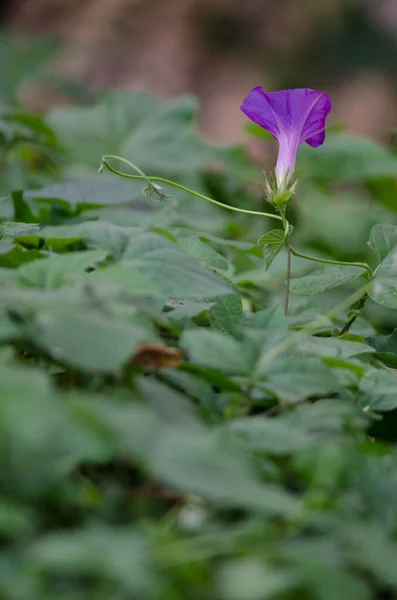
(357, 309)
(286, 303)
(150, 180)
(288, 280)
(333, 262)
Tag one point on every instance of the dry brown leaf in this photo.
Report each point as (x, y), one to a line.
(157, 356)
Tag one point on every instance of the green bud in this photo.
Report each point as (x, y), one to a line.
(282, 199)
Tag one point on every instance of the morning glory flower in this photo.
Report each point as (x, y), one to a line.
(292, 117)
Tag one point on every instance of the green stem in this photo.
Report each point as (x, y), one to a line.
(150, 180)
(356, 311)
(288, 283)
(288, 274)
(333, 262)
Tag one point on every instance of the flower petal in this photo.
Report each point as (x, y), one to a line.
(257, 108)
(316, 140)
(298, 113)
(314, 124)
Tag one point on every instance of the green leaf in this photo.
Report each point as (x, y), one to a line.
(324, 279)
(226, 314)
(92, 342)
(272, 243)
(384, 343)
(53, 271)
(371, 548)
(379, 389)
(266, 327)
(251, 462)
(51, 238)
(292, 379)
(157, 134)
(195, 461)
(15, 521)
(12, 256)
(186, 309)
(166, 141)
(326, 418)
(33, 123)
(104, 236)
(327, 224)
(87, 194)
(202, 252)
(348, 158)
(13, 229)
(382, 239)
(177, 274)
(22, 211)
(87, 133)
(142, 242)
(218, 351)
(385, 191)
(95, 234)
(18, 379)
(249, 579)
(8, 329)
(171, 405)
(270, 435)
(384, 288)
(193, 386)
(125, 278)
(332, 348)
(109, 554)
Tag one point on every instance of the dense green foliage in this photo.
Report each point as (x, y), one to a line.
(166, 432)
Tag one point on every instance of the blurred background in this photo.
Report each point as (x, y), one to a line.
(217, 50)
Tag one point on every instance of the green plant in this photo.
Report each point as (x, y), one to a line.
(166, 431)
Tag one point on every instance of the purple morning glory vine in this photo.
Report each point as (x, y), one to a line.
(292, 117)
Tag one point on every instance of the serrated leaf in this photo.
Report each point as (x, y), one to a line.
(272, 242)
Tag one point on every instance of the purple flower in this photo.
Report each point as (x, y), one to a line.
(292, 117)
